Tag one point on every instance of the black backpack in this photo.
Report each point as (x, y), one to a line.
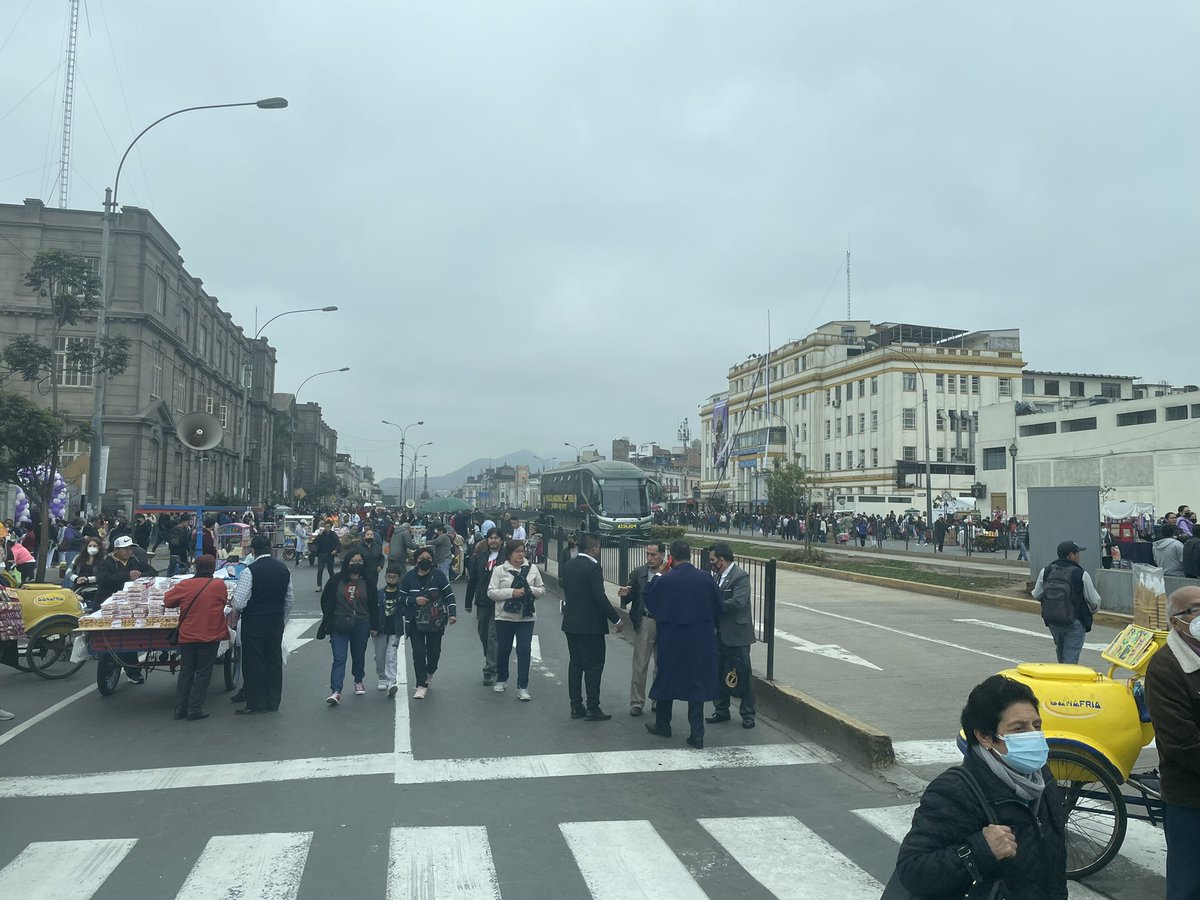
(1058, 599)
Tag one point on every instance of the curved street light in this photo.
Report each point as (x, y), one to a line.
(415, 457)
(100, 387)
(579, 450)
(403, 433)
(295, 397)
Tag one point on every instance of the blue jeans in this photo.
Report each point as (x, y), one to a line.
(1023, 551)
(1068, 641)
(444, 567)
(356, 642)
(505, 633)
(1181, 824)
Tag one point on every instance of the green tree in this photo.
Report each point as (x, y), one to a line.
(73, 291)
(718, 502)
(789, 485)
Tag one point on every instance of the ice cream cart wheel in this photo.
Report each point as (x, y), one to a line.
(108, 673)
(233, 668)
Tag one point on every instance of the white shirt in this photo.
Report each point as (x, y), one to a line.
(519, 533)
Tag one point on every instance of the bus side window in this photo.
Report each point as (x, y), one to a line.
(655, 491)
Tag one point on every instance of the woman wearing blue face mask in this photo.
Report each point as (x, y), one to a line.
(1015, 846)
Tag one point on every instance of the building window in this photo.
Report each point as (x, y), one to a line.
(795, 404)
(71, 369)
(941, 420)
(1175, 413)
(862, 387)
(962, 384)
(862, 459)
(908, 454)
(1005, 387)
(827, 429)
(210, 404)
(1141, 417)
(177, 393)
(849, 425)
(909, 419)
(804, 401)
(910, 381)
(837, 427)
(994, 458)
(1076, 388)
(156, 374)
(837, 460)
(1051, 388)
(874, 420)
(939, 381)
(1088, 424)
(862, 422)
(875, 456)
(71, 450)
(974, 384)
(828, 397)
(837, 393)
(874, 385)
(952, 384)
(826, 462)
(1196, 410)
(1110, 389)
(804, 433)
(940, 454)
(160, 295)
(1039, 428)
(1028, 386)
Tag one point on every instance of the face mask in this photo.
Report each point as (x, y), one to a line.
(1194, 628)
(424, 565)
(92, 551)
(1027, 751)
(574, 553)
(355, 568)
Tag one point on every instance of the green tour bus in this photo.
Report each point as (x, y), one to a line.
(611, 499)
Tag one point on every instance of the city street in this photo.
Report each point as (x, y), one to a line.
(472, 794)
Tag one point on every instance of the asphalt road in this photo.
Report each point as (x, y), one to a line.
(467, 794)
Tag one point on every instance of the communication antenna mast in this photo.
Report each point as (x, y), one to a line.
(848, 316)
(685, 433)
(64, 175)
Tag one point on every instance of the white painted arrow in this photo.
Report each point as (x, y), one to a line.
(292, 631)
(1037, 634)
(832, 651)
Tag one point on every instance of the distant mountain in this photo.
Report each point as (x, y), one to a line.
(453, 480)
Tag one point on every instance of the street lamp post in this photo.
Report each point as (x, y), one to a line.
(246, 384)
(578, 450)
(1012, 451)
(295, 403)
(100, 388)
(403, 432)
(417, 450)
(928, 467)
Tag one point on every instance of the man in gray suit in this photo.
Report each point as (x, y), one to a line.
(735, 634)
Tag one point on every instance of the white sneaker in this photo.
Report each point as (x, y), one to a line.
(5, 715)
(499, 687)
(419, 693)
(523, 694)
(334, 699)
(382, 686)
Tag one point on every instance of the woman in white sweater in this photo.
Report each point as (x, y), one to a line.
(514, 587)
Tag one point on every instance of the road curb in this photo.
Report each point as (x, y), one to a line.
(1017, 604)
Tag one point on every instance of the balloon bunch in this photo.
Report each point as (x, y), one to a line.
(59, 496)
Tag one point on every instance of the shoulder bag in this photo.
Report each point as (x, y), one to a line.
(979, 890)
(431, 616)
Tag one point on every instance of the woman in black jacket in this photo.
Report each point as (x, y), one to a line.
(952, 843)
(350, 616)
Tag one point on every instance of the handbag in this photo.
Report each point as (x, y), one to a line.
(173, 634)
(979, 890)
(431, 616)
(735, 677)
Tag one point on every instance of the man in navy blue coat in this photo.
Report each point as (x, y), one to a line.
(685, 604)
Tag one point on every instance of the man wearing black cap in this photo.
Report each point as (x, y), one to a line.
(1068, 600)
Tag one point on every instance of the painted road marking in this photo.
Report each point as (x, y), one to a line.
(249, 867)
(63, 870)
(45, 714)
(441, 862)
(1037, 634)
(832, 651)
(403, 747)
(535, 651)
(613, 762)
(942, 752)
(292, 631)
(628, 861)
(894, 821)
(790, 860)
(919, 637)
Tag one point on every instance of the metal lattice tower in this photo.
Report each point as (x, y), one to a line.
(64, 175)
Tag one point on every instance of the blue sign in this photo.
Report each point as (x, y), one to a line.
(748, 463)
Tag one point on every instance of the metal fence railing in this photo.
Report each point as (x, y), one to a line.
(620, 557)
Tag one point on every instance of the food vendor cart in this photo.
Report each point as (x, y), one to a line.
(39, 620)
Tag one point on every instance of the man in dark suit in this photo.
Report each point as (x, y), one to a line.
(685, 604)
(645, 632)
(586, 614)
(735, 634)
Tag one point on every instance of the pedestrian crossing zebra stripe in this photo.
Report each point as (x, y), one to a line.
(628, 861)
(895, 821)
(63, 870)
(250, 866)
(441, 862)
(767, 847)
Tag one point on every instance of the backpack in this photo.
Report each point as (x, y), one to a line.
(1058, 601)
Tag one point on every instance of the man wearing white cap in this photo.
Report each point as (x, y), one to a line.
(124, 564)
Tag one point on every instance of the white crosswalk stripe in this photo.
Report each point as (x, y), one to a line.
(628, 861)
(894, 821)
(428, 863)
(249, 867)
(790, 860)
(63, 870)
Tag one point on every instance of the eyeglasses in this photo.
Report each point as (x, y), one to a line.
(1190, 611)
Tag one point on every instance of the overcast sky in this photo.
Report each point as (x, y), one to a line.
(564, 221)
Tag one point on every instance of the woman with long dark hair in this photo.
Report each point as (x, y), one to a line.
(350, 616)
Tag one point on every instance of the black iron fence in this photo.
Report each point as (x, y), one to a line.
(620, 557)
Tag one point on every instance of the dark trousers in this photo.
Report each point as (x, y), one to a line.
(585, 668)
(727, 656)
(662, 716)
(1182, 827)
(324, 561)
(426, 651)
(262, 661)
(485, 624)
(195, 674)
(506, 633)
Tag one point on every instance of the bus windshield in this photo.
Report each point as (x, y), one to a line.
(624, 499)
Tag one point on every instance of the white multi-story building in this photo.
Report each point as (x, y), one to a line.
(850, 403)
